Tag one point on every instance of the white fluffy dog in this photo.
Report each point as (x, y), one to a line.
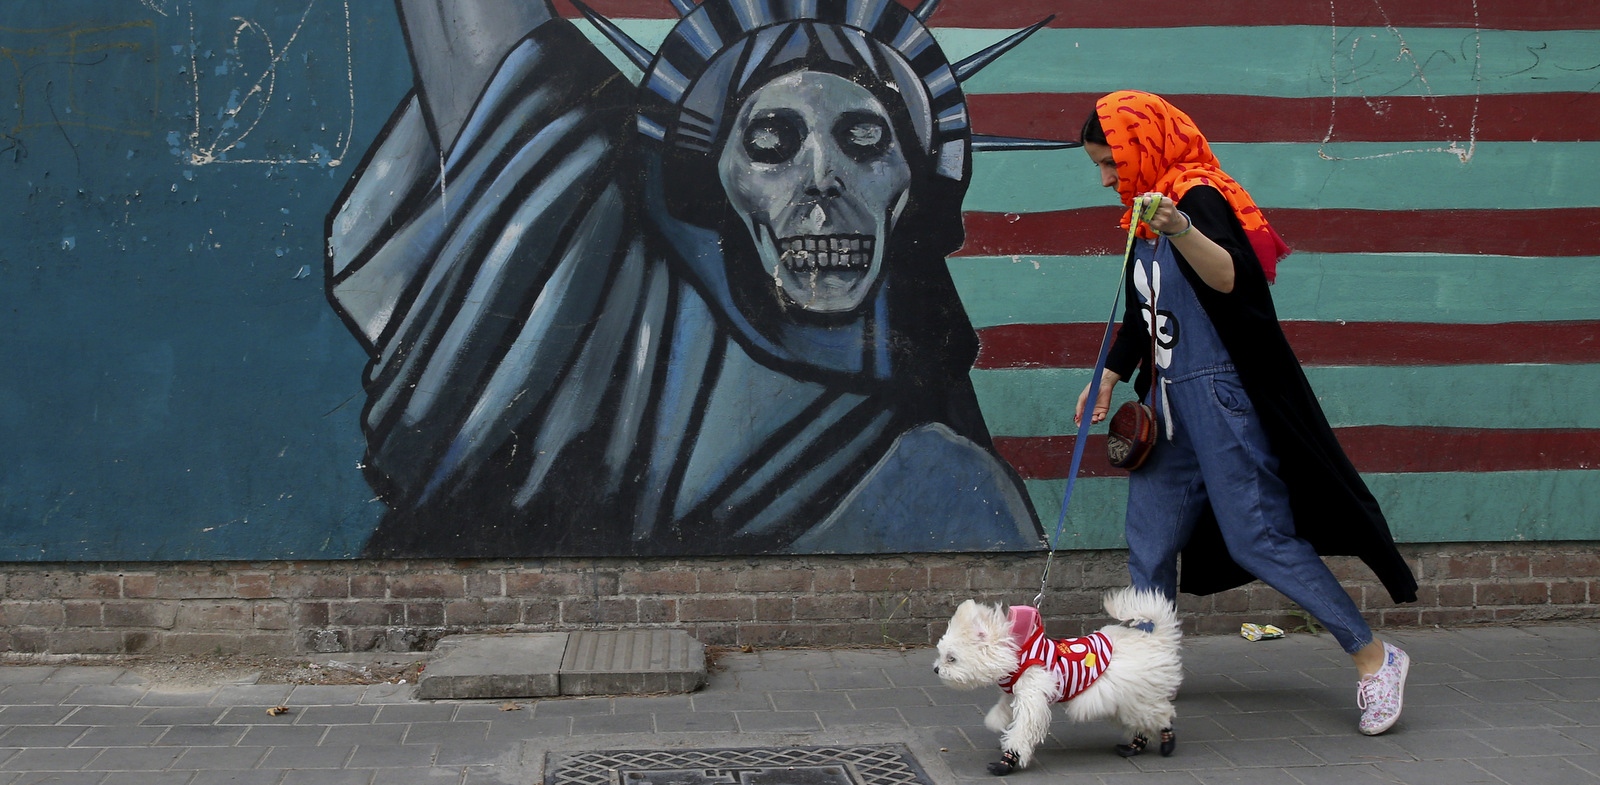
(1122, 672)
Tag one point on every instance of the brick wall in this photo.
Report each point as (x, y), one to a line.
(297, 607)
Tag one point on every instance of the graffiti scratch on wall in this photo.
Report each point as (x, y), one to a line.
(76, 76)
(239, 95)
(1353, 49)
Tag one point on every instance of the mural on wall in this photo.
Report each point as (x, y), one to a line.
(707, 315)
(179, 382)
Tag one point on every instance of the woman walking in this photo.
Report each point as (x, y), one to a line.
(1246, 479)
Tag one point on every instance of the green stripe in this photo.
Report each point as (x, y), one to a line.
(1039, 402)
(1421, 507)
(1294, 61)
(1354, 175)
(1311, 286)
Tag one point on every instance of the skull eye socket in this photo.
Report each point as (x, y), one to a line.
(774, 137)
(862, 135)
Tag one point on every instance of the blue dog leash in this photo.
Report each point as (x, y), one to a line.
(1143, 210)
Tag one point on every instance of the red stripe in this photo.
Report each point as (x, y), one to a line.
(1485, 14)
(1327, 343)
(1372, 448)
(1518, 117)
(1567, 231)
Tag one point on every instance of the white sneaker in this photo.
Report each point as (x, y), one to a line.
(1380, 694)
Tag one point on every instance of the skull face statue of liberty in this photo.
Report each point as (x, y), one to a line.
(813, 167)
(705, 314)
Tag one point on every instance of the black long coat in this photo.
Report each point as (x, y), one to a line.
(1333, 509)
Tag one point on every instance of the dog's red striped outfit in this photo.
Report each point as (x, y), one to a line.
(1074, 662)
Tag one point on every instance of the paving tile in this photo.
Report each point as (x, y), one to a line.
(651, 705)
(403, 756)
(378, 694)
(35, 694)
(86, 674)
(193, 715)
(886, 717)
(60, 778)
(939, 716)
(64, 759)
(120, 736)
(213, 758)
(347, 777)
(300, 757)
(774, 681)
(106, 695)
(36, 715)
(1353, 748)
(338, 715)
(440, 732)
(1257, 776)
(1538, 771)
(811, 701)
(264, 777)
(477, 753)
(259, 715)
(201, 736)
(415, 712)
(1256, 753)
(533, 728)
(326, 695)
(592, 707)
(697, 722)
(1521, 742)
(1507, 691)
(1263, 725)
(1517, 715)
(26, 674)
(627, 723)
(769, 721)
(1355, 774)
(104, 715)
(252, 695)
(148, 778)
(1442, 744)
(850, 679)
(178, 698)
(283, 735)
(1437, 772)
(345, 735)
(135, 759)
(731, 701)
(42, 736)
(901, 696)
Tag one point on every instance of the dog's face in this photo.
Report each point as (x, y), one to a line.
(977, 649)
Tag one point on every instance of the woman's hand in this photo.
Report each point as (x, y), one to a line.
(1166, 218)
(1102, 404)
(1209, 260)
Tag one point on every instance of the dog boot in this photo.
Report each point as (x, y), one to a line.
(1006, 764)
(1135, 747)
(1169, 742)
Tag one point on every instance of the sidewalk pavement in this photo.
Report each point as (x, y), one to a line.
(1501, 705)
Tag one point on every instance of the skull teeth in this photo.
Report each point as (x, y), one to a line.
(827, 252)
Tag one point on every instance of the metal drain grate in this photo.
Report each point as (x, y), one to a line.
(886, 764)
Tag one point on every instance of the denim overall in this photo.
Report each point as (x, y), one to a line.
(1211, 449)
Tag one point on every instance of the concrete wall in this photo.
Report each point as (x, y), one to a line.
(286, 607)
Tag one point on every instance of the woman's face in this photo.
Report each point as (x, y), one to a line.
(1100, 154)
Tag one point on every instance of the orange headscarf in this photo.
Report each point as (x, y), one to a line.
(1158, 148)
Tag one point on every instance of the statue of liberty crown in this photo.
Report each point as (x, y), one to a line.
(848, 27)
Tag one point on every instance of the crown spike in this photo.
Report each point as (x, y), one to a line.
(982, 143)
(972, 65)
(683, 7)
(636, 54)
(925, 10)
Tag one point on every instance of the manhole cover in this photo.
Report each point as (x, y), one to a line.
(888, 764)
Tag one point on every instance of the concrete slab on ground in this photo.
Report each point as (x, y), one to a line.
(539, 665)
